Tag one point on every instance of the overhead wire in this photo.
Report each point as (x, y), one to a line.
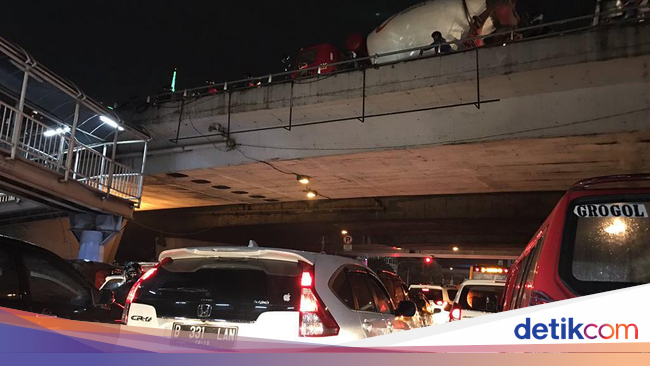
(265, 162)
(483, 138)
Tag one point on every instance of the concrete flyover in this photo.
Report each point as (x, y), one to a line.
(563, 108)
(481, 225)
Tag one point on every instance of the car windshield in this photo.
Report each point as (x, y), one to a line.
(483, 298)
(609, 243)
(306, 58)
(236, 289)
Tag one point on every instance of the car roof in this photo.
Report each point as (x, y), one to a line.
(25, 247)
(388, 273)
(484, 282)
(22, 245)
(252, 252)
(433, 287)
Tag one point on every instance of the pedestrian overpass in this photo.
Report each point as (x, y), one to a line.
(58, 157)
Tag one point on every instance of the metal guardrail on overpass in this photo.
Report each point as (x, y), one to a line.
(49, 122)
(575, 24)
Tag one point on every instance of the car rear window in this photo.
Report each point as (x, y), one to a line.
(607, 243)
(431, 293)
(483, 298)
(238, 290)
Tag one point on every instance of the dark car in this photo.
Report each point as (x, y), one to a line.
(35, 280)
(424, 307)
(95, 272)
(398, 292)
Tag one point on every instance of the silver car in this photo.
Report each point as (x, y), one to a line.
(217, 296)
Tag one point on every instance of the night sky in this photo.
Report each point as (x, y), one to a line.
(115, 50)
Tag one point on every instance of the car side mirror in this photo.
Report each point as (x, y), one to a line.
(106, 297)
(406, 308)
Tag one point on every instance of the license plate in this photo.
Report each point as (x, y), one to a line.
(204, 336)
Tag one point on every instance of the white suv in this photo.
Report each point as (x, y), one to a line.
(477, 298)
(215, 296)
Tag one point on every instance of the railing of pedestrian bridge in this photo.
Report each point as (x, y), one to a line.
(600, 18)
(52, 146)
(48, 121)
(5, 198)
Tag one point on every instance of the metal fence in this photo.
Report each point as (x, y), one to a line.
(4, 198)
(52, 146)
(48, 121)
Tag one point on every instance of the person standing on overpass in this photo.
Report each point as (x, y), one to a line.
(439, 44)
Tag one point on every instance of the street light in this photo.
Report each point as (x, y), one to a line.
(58, 131)
(455, 249)
(303, 179)
(344, 232)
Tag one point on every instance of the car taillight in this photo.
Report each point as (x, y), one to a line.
(134, 290)
(539, 298)
(439, 302)
(315, 319)
(455, 313)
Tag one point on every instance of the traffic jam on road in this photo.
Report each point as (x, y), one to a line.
(594, 240)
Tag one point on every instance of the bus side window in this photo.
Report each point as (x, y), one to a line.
(522, 271)
(518, 280)
(530, 273)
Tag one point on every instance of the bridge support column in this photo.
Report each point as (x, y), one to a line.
(98, 235)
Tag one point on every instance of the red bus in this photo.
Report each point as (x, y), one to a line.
(596, 239)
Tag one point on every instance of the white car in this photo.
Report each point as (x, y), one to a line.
(477, 298)
(438, 298)
(217, 296)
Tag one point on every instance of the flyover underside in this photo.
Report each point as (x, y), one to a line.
(481, 225)
(515, 165)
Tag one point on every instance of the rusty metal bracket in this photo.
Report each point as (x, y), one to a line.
(478, 83)
(362, 119)
(288, 128)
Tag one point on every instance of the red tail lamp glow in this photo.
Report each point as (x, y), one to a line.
(306, 280)
(315, 319)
